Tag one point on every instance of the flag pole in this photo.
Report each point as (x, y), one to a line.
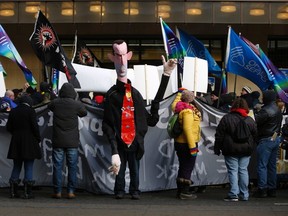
(220, 91)
(164, 38)
(74, 47)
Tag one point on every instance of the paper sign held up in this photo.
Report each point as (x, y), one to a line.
(195, 74)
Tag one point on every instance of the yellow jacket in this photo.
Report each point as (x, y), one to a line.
(190, 120)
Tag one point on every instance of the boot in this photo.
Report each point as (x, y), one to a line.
(28, 185)
(184, 189)
(179, 183)
(14, 188)
(260, 193)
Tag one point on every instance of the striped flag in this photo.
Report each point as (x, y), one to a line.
(173, 46)
(8, 50)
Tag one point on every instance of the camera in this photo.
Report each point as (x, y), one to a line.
(284, 144)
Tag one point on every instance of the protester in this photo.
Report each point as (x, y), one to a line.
(65, 138)
(126, 120)
(46, 93)
(256, 102)
(214, 99)
(7, 102)
(24, 146)
(186, 145)
(246, 94)
(269, 120)
(236, 154)
(98, 99)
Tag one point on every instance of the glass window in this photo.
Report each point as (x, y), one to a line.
(88, 12)
(227, 12)
(255, 12)
(60, 12)
(170, 11)
(113, 12)
(278, 52)
(198, 12)
(140, 12)
(28, 11)
(9, 12)
(279, 13)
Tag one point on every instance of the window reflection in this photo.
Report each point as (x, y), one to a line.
(141, 11)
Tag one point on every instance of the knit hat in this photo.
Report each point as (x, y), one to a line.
(269, 96)
(26, 99)
(247, 89)
(187, 96)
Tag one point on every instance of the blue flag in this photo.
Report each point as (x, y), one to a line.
(241, 60)
(195, 48)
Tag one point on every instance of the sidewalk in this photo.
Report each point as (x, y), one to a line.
(152, 203)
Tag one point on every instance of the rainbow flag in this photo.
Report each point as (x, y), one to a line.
(173, 46)
(8, 50)
(2, 70)
(54, 80)
(278, 77)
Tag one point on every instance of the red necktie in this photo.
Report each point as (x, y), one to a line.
(128, 123)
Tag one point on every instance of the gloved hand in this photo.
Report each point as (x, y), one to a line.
(116, 162)
(217, 152)
(194, 151)
(168, 66)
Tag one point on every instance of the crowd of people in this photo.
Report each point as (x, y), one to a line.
(125, 123)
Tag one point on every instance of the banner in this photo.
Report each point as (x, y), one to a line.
(158, 167)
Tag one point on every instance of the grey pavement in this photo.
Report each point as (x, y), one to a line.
(151, 203)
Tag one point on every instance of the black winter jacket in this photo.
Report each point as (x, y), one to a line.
(112, 116)
(22, 124)
(65, 118)
(224, 132)
(269, 120)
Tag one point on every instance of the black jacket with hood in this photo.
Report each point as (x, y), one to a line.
(225, 130)
(65, 118)
(269, 118)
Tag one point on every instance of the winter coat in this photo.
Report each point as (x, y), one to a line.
(269, 118)
(113, 114)
(22, 124)
(224, 136)
(66, 111)
(189, 118)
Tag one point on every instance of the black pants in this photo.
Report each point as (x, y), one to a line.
(186, 160)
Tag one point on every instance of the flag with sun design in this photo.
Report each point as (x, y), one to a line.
(47, 47)
(83, 55)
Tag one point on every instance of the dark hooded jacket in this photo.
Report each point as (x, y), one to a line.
(225, 130)
(269, 118)
(22, 124)
(65, 118)
(112, 118)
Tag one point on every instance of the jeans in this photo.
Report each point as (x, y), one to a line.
(238, 176)
(28, 169)
(58, 156)
(267, 151)
(133, 164)
(186, 160)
